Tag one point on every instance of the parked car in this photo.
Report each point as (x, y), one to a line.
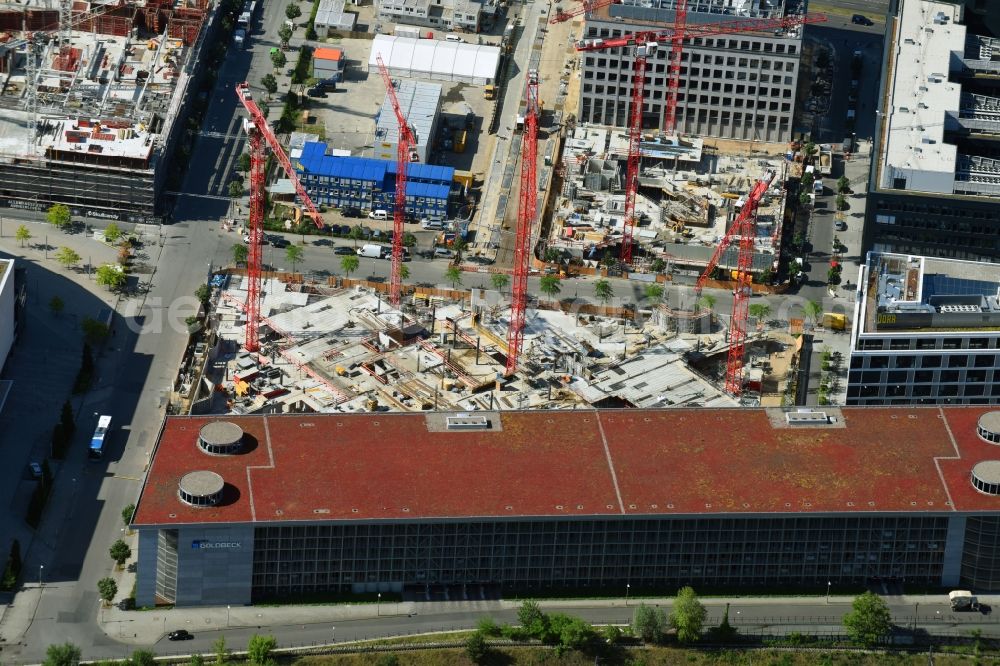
(278, 241)
(343, 249)
(443, 252)
(485, 261)
(860, 19)
(431, 225)
(246, 239)
(316, 91)
(36, 470)
(840, 225)
(180, 635)
(128, 603)
(351, 211)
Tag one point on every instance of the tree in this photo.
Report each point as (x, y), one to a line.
(293, 254)
(604, 291)
(58, 215)
(549, 285)
(142, 658)
(869, 620)
(269, 82)
(65, 654)
(552, 254)
(842, 202)
(843, 184)
(356, 234)
(120, 552)
(707, 301)
(572, 632)
(203, 293)
(67, 256)
(111, 276)
(653, 291)
(812, 310)
(240, 252)
(127, 514)
(107, 588)
(476, 648)
(221, 652)
(658, 265)
(292, 11)
(243, 163)
(259, 649)
(22, 235)
(806, 182)
(453, 274)
(56, 305)
(687, 615)
(804, 197)
(112, 233)
(404, 272)
(810, 149)
(349, 263)
(284, 32)
(500, 281)
(532, 619)
(196, 660)
(648, 623)
(236, 189)
(759, 311)
(278, 59)
(93, 331)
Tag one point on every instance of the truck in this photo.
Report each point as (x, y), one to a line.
(835, 321)
(489, 92)
(370, 250)
(825, 160)
(856, 63)
(963, 600)
(240, 38)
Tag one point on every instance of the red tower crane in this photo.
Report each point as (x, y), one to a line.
(526, 211)
(404, 148)
(744, 228)
(646, 43)
(259, 133)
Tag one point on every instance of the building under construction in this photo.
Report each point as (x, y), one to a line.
(90, 96)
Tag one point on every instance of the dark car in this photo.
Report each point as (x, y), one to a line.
(343, 249)
(351, 212)
(278, 241)
(316, 91)
(860, 19)
(126, 604)
(180, 635)
(485, 261)
(840, 225)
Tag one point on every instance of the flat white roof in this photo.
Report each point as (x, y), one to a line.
(419, 102)
(434, 58)
(928, 38)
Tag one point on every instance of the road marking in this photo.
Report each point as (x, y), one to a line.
(127, 478)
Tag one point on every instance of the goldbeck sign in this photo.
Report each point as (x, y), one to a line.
(215, 545)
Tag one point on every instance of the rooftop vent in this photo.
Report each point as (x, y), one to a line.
(806, 417)
(201, 488)
(989, 427)
(466, 422)
(986, 477)
(220, 438)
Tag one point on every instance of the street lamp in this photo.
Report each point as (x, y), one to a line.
(228, 608)
(378, 604)
(40, 567)
(628, 586)
(827, 591)
(334, 631)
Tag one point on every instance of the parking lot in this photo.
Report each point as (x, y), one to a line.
(345, 118)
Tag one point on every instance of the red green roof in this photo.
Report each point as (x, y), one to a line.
(575, 463)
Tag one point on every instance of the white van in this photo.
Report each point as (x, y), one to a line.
(370, 250)
(431, 225)
(453, 38)
(378, 215)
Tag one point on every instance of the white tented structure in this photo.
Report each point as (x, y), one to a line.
(436, 60)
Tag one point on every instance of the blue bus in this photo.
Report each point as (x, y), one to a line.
(97, 441)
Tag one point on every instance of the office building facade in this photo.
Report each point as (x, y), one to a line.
(934, 187)
(738, 86)
(257, 508)
(926, 331)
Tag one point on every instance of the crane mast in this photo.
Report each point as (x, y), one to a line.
(526, 211)
(259, 133)
(404, 149)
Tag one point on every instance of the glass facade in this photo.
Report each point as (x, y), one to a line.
(297, 559)
(981, 553)
(166, 565)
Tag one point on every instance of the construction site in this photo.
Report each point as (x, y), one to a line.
(90, 96)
